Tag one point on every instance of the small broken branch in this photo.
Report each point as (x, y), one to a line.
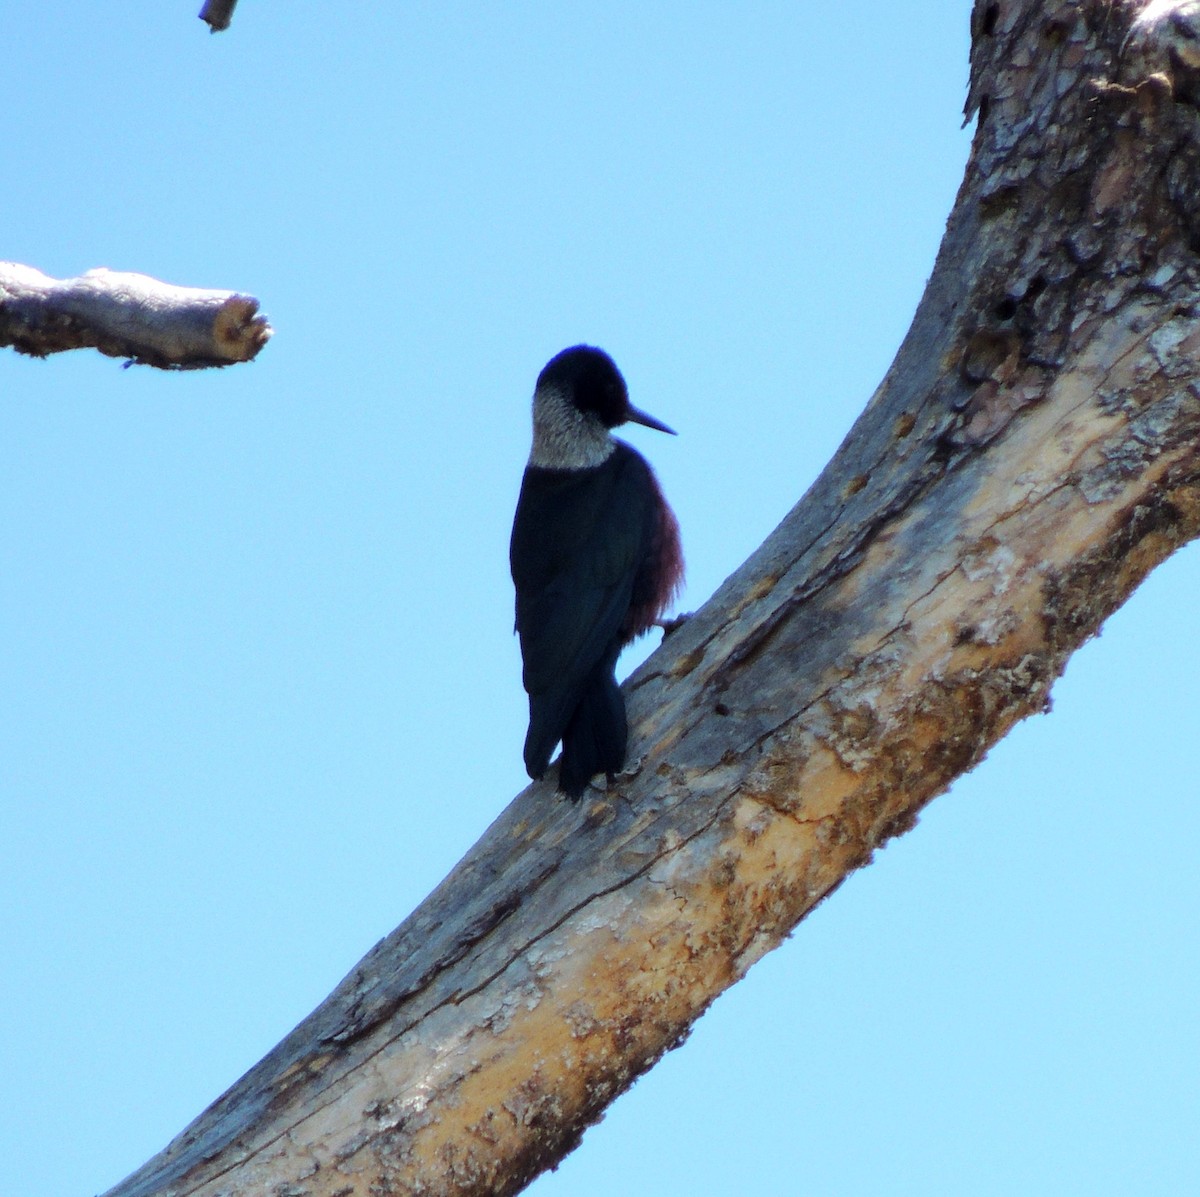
(128, 315)
(218, 14)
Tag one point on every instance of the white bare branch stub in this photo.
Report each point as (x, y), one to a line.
(128, 315)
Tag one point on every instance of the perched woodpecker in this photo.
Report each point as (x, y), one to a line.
(595, 559)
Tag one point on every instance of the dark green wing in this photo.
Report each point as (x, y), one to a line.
(578, 540)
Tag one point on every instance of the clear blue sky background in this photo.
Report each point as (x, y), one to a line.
(259, 689)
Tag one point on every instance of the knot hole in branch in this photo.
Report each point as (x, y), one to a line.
(1008, 307)
(1055, 31)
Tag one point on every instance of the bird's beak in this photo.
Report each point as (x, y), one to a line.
(640, 417)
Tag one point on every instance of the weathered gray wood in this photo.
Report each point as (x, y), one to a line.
(128, 315)
(1032, 453)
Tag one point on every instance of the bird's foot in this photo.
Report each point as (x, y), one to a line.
(672, 625)
(629, 772)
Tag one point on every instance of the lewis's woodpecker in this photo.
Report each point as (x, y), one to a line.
(595, 559)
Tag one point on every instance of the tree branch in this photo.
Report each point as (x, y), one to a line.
(1032, 453)
(218, 14)
(127, 315)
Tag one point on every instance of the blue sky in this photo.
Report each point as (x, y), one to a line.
(260, 688)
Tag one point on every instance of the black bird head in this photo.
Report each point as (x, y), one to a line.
(590, 380)
(580, 395)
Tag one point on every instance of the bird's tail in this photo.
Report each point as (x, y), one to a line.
(596, 737)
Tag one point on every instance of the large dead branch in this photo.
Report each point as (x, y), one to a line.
(1032, 453)
(127, 315)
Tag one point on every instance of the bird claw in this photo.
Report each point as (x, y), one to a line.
(630, 771)
(672, 625)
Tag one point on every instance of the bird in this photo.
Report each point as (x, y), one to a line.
(596, 561)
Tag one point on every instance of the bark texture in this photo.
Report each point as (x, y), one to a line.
(1032, 453)
(128, 315)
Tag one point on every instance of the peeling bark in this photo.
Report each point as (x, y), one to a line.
(1032, 453)
(128, 315)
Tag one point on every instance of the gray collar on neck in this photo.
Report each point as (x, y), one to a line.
(564, 438)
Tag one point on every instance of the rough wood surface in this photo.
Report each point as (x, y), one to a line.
(217, 14)
(127, 315)
(1032, 453)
